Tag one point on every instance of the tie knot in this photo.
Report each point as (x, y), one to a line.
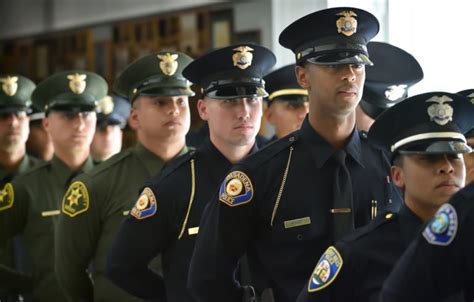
(340, 156)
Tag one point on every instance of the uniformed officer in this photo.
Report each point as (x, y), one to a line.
(438, 265)
(15, 102)
(111, 119)
(39, 142)
(386, 82)
(287, 102)
(424, 134)
(160, 114)
(32, 201)
(469, 157)
(291, 204)
(165, 218)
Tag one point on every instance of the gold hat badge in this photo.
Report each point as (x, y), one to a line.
(471, 97)
(106, 105)
(243, 57)
(9, 85)
(440, 112)
(77, 82)
(347, 24)
(168, 63)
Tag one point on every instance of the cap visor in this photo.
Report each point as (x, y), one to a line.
(341, 58)
(438, 147)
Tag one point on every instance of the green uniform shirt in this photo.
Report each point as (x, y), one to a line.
(32, 203)
(92, 211)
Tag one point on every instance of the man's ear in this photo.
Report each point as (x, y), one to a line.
(202, 109)
(301, 76)
(397, 176)
(133, 120)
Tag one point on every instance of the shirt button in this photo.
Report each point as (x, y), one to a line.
(299, 237)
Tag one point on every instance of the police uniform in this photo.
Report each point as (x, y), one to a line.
(388, 80)
(15, 96)
(282, 86)
(356, 267)
(176, 197)
(438, 265)
(31, 202)
(277, 205)
(106, 194)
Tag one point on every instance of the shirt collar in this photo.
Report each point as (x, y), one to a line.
(323, 150)
(409, 224)
(150, 160)
(64, 174)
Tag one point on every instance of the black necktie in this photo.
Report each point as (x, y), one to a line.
(342, 211)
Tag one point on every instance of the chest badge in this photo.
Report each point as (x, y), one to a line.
(236, 189)
(76, 199)
(6, 197)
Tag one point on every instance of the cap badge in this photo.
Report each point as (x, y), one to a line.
(347, 24)
(440, 112)
(77, 82)
(9, 85)
(106, 105)
(243, 57)
(471, 97)
(168, 63)
(395, 92)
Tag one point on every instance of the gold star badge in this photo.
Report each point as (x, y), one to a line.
(76, 199)
(6, 197)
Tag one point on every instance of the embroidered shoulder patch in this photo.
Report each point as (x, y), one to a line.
(442, 228)
(6, 197)
(236, 189)
(145, 206)
(76, 199)
(326, 270)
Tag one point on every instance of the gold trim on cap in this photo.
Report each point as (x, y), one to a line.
(287, 92)
(417, 137)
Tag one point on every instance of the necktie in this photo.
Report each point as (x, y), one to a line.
(342, 211)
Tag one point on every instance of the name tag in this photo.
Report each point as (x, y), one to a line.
(297, 222)
(50, 213)
(193, 231)
(125, 213)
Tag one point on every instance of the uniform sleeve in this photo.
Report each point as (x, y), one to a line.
(77, 233)
(224, 233)
(14, 204)
(433, 272)
(144, 234)
(332, 279)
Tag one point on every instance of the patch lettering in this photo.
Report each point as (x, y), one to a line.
(236, 189)
(442, 228)
(326, 270)
(145, 206)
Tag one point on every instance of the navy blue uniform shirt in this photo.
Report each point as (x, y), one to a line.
(281, 218)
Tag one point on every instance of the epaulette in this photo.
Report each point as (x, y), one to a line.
(363, 134)
(269, 151)
(374, 224)
(117, 158)
(173, 165)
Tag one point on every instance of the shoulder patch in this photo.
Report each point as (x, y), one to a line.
(6, 197)
(442, 228)
(326, 270)
(236, 189)
(145, 206)
(76, 199)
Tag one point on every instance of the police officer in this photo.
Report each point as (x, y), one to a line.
(15, 102)
(437, 266)
(169, 222)
(469, 157)
(32, 201)
(424, 134)
(39, 142)
(96, 202)
(286, 203)
(111, 119)
(287, 102)
(386, 82)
